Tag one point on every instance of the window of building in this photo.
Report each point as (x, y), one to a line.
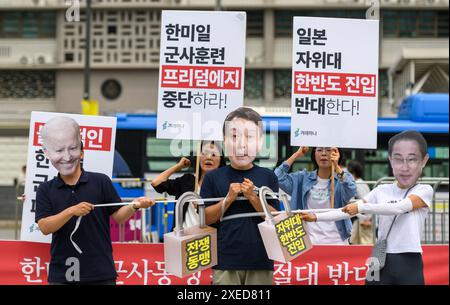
(255, 23)
(442, 27)
(254, 84)
(383, 84)
(27, 84)
(21, 24)
(412, 23)
(283, 83)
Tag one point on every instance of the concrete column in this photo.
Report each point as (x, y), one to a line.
(269, 45)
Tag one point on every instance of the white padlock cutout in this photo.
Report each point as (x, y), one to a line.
(284, 236)
(193, 249)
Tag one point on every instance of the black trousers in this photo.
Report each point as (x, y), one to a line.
(401, 269)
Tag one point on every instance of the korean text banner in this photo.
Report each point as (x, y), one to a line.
(334, 82)
(98, 135)
(201, 74)
(26, 263)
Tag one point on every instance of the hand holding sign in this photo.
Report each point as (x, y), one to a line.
(334, 157)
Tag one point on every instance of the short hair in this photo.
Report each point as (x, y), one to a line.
(58, 122)
(409, 135)
(313, 157)
(355, 168)
(245, 113)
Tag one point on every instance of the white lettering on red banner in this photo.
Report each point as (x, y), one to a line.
(201, 77)
(143, 264)
(325, 83)
(93, 137)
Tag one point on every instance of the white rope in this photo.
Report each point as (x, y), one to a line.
(77, 224)
(242, 215)
(255, 214)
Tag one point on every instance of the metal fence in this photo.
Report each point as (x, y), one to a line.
(436, 230)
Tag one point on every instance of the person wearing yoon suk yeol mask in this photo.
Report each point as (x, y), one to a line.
(242, 257)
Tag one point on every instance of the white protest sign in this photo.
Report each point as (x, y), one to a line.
(98, 134)
(335, 81)
(201, 74)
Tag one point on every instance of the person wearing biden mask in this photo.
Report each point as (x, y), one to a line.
(403, 207)
(75, 192)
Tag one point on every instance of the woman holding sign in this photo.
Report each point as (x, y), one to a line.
(210, 159)
(312, 190)
(403, 206)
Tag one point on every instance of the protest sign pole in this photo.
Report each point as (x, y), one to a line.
(197, 166)
(332, 185)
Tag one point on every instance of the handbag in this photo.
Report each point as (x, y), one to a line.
(379, 248)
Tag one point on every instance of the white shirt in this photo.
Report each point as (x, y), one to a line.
(322, 232)
(406, 232)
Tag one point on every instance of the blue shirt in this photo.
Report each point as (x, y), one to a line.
(239, 243)
(93, 235)
(298, 185)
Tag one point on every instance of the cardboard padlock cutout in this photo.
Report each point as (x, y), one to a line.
(284, 235)
(193, 249)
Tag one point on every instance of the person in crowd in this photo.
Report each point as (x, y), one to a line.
(211, 157)
(73, 193)
(242, 258)
(403, 207)
(312, 190)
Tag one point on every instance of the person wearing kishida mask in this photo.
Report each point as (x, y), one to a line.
(74, 193)
(402, 207)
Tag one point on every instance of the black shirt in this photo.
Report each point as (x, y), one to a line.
(93, 235)
(239, 242)
(177, 187)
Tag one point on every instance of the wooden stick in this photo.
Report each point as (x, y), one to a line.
(197, 166)
(332, 185)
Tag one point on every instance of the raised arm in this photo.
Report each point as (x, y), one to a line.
(285, 179)
(183, 163)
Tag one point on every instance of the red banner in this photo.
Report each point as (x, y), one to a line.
(94, 137)
(201, 77)
(24, 263)
(344, 84)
